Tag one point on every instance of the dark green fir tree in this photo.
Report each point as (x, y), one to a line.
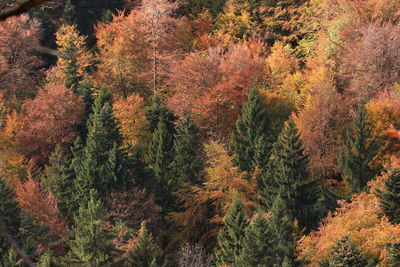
(91, 244)
(188, 162)
(285, 234)
(9, 218)
(69, 15)
(345, 254)
(230, 237)
(287, 175)
(158, 112)
(146, 253)
(99, 163)
(258, 244)
(394, 255)
(252, 141)
(160, 157)
(69, 53)
(389, 197)
(359, 150)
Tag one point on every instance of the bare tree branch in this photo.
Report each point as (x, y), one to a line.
(14, 245)
(22, 7)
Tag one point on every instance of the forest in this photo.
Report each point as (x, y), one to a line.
(199, 133)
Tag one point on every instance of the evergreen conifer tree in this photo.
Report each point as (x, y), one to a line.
(230, 237)
(91, 245)
(160, 157)
(257, 244)
(390, 197)
(146, 253)
(100, 164)
(360, 148)
(10, 216)
(287, 175)
(285, 234)
(188, 151)
(394, 255)
(158, 112)
(251, 142)
(346, 254)
(69, 54)
(69, 13)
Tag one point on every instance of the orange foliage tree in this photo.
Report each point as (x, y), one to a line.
(134, 125)
(205, 205)
(51, 119)
(213, 85)
(362, 220)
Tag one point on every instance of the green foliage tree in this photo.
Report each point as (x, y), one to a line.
(188, 161)
(69, 15)
(359, 150)
(251, 142)
(69, 54)
(99, 163)
(195, 7)
(258, 244)
(91, 244)
(146, 253)
(345, 254)
(394, 255)
(390, 197)
(287, 175)
(230, 237)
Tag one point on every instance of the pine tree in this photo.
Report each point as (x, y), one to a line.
(100, 164)
(390, 197)
(230, 237)
(360, 148)
(69, 13)
(10, 215)
(72, 77)
(91, 245)
(188, 153)
(146, 253)
(257, 244)
(160, 157)
(346, 254)
(287, 175)
(250, 142)
(394, 255)
(158, 112)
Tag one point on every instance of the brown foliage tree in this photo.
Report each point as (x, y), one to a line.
(19, 62)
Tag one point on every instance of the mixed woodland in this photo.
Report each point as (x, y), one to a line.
(199, 133)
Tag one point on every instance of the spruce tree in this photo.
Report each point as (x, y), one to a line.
(10, 216)
(188, 153)
(69, 15)
(160, 157)
(100, 164)
(230, 237)
(390, 197)
(146, 253)
(69, 54)
(345, 254)
(258, 244)
(91, 244)
(359, 150)
(158, 112)
(287, 175)
(251, 141)
(394, 255)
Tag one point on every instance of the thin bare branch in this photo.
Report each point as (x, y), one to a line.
(22, 7)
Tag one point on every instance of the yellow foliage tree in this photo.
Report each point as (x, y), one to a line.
(205, 205)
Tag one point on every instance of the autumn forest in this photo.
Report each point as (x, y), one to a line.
(199, 133)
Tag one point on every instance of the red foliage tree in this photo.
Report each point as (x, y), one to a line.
(51, 119)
